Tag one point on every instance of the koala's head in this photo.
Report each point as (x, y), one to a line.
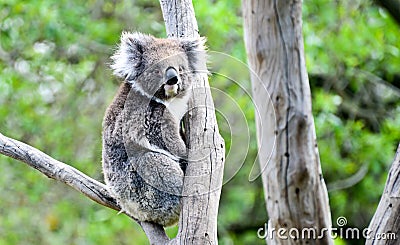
(161, 68)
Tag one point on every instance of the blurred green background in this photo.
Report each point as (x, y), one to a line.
(55, 86)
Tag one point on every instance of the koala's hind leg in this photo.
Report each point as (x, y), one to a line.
(161, 172)
(159, 197)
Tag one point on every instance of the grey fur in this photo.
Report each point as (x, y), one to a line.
(144, 155)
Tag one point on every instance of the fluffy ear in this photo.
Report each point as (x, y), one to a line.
(196, 52)
(127, 61)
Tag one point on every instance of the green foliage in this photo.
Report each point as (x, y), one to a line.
(353, 66)
(55, 86)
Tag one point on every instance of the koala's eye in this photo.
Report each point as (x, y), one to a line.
(180, 68)
(157, 71)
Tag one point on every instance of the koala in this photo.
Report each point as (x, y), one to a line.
(144, 153)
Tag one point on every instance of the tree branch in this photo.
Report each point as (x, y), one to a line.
(386, 220)
(64, 173)
(57, 170)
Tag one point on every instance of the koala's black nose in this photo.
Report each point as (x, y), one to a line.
(171, 76)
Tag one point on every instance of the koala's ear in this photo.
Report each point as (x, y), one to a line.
(195, 50)
(127, 61)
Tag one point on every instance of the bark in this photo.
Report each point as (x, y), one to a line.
(385, 225)
(295, 191)
(203, 180)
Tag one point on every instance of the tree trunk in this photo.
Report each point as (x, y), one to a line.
(295, 191)
(385, 225)
(203, 180)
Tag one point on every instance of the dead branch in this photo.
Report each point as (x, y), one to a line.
(386, 223)
(82, 183)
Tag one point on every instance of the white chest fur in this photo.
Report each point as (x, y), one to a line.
(178, 107)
